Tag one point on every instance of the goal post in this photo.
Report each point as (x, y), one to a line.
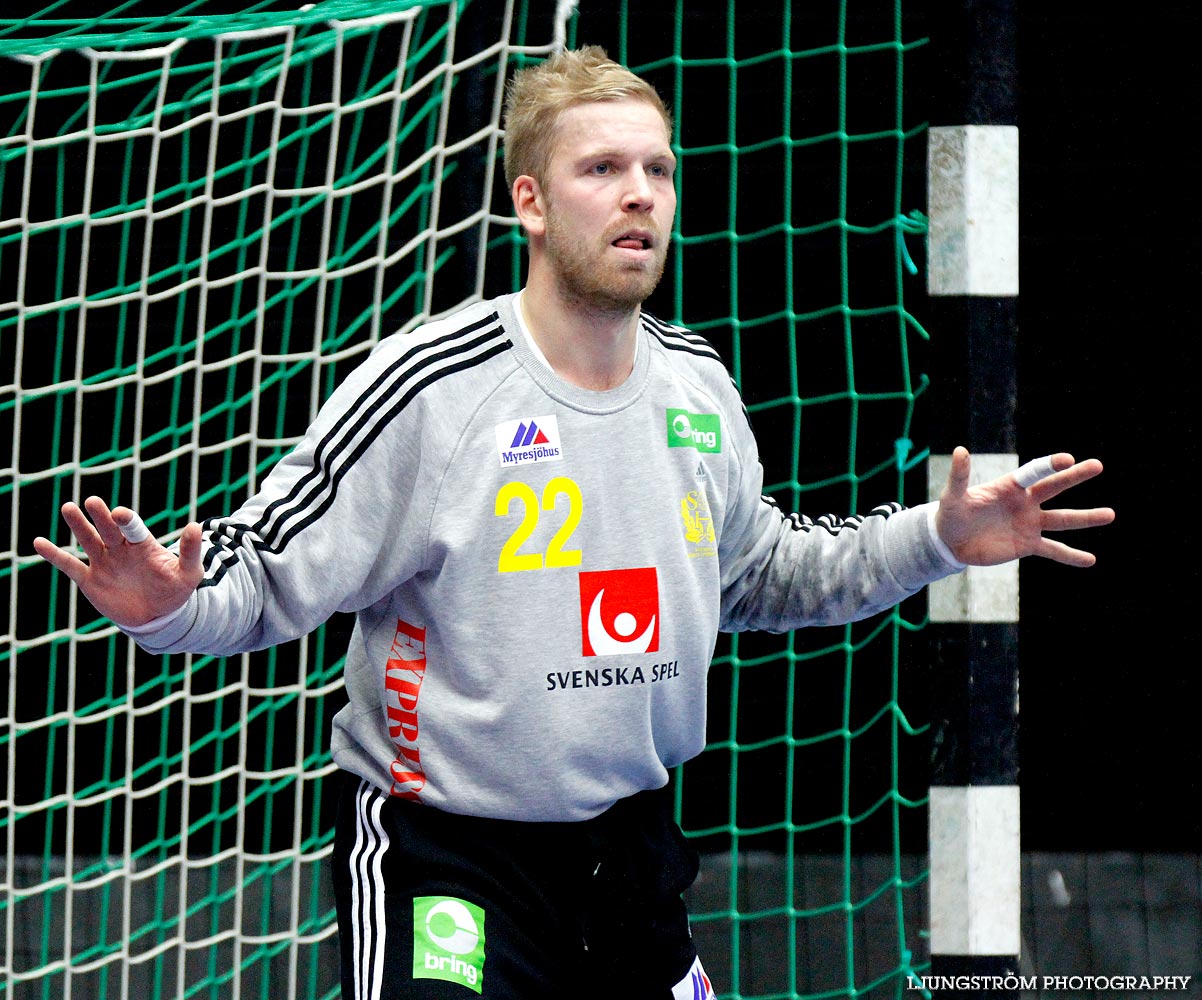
(207, 219)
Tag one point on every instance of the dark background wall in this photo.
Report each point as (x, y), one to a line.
(1111, 254)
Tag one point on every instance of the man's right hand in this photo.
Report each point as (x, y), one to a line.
(129, 583)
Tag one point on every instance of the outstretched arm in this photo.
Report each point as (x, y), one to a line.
(1004, 519)
(129, 577)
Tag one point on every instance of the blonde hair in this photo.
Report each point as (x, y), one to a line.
(537, 95)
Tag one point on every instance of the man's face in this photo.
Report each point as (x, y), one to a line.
(609, 203)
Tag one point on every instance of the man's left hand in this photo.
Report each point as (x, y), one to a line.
(1004, 519)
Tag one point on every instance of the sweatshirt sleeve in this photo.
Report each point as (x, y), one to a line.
(784, 572)
(337, 524)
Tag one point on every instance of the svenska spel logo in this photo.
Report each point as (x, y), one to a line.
(619, 611)
(529, 440)
(702, 431)
(448, 941)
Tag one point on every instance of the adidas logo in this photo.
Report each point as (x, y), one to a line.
(530, 440)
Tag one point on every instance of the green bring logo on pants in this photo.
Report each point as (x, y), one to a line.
(448, 941)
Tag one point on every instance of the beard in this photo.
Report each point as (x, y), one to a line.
(585, 274)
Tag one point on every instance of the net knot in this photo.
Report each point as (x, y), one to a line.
(915, 223)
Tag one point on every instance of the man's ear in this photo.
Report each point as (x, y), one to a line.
(529, 205)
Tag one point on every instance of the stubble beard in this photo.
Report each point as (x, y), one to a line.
(586, 278)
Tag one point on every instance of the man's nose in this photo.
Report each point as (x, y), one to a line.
(638, 196)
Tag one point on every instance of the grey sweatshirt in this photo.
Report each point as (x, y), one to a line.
(538, 571)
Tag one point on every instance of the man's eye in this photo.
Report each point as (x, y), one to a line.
(601, 168)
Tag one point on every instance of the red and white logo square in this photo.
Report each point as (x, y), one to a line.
(619, 611)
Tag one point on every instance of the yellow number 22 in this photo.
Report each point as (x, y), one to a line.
(512, 560)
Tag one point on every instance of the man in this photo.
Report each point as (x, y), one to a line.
(498, 498)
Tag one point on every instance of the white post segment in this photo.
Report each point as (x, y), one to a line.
(975, 876)
(972, 201)
(980, 593)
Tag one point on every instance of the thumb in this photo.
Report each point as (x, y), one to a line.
(958, 474)
(189, 553)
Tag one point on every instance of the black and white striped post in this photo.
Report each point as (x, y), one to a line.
(973, 288)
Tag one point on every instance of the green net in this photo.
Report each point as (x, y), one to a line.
(206, 220)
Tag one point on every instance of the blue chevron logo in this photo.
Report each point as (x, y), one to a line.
(529, 440)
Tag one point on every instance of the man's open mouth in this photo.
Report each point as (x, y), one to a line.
(634, 241)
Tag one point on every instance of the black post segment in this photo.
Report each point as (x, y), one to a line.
(974, 703)
(974, 391)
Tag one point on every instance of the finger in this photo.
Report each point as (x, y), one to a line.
(133, 529)
(1028, 475)
(1069, 520)
(102, 518)
(60, 559)
(1066, 479)
(84, 531)
(1049, 548)
(189, 553)
(958, 474)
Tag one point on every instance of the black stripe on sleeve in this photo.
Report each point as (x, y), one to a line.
(350, 437)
